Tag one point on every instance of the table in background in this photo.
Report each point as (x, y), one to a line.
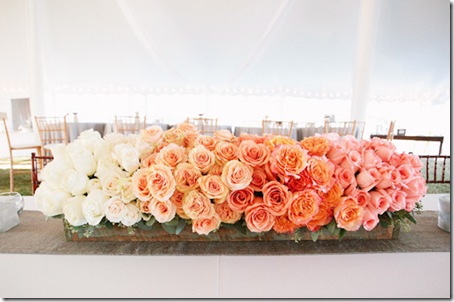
(255, 130)
(414, 138)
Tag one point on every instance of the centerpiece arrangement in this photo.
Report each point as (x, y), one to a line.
(180, 182)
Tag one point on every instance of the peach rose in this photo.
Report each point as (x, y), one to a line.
(315, 145)
(161, 182)
(345, 177)
(236, 175)
(163, 211)
(225, 151)
(197, 205)
(144, 206)
(303, 206)
(151, 135)
(202, 158)
(225, 135)
(208, 142)
(148, 160)
(177, 200)
(276, 197)
(332, 197)
(288, 160)
(239, 200)
(258, 218)
(140, 185)
(174, 135)
(213, 187)
(206, 225)
(390, 177)
(258, 179)
(336, 153)
(370, 219)
(379, 201)
(398, 200)
(190, 134)
(186, 177)
(171, 155)
(272, 141)
(253, 137)
(227, 214)
(367, 179)
(282, 225)
(348, 214)
(253, 154)
(216, 169)
(321, 171)
(323, 217)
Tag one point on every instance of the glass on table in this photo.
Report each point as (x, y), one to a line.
(13, 197)
(11, 204)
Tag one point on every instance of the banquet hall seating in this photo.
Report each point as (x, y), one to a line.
(342, 128)
(359, 129)
(283, 128)
(436, 168)
(52, 131)
(38, 163)
(15, 147)
(130, 124)
(206, 126)
(390, 135)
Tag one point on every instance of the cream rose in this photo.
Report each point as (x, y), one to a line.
(132, 215)
(115, 209)
(74, 182)
(49, 200)
(110, 180)
(82, 158)
(93, 207)
(72, 210)
(128, 157)
(236, 175)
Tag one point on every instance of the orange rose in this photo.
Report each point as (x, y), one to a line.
(140, 185)
(186, 176)
(213, 187)
(315, 145)
(258, 179)
(197, 205)
(225, 151)
(321, 171)
(300, 183)
(202, 158)
(163, 211)
(253, 137)
(177, 200)
(348, 214)
(239, 200)
(206, 225)
(171, 155)
(225, 135)
(272, 141)
(216, 169)
(161, 182)
(208, 142)
(277, 197)
(283, 225)
(323, 217)
(259, 218)
(303, 207)
(332, 197)
(236, 175)
(288, 160)
(174, 135)
(227, 214)
(253, 154)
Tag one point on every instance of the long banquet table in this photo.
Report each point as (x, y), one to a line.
(44, 265)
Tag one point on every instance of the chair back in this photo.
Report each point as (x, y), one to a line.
(4, 128)
(52, 131)
(283, 128)
(390, 135)
(130, 124)
(436, 168)
(341, 128)
(205, 126)
(38, 163)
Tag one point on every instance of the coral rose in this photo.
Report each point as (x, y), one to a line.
(206, 225)
(216, 169)
(163, 211)
(336, 153)
(273, 141)
(253, 137)
(348, 214)
(225, 151)
(259, 218)
(186, 176)
(202, 158)
(258, 179)
(363, 197)
(140, 185)
(320, 171)
(171, 155)
(239, 200)
(224, 135)
(197, 205)
(277, 197)
(282, 224)
(227, 214)
(367, 179)
(253, 154)
(161, 182)
(332, 197)
(390, 177)
(345, 177)
(288, 160)
(213, 187)
(236, 175)
(303, 206)
(352, 161)
(315, 145)
(323, 217)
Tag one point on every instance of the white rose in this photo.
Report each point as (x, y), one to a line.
(54, 171)
(110, 180)
(101, 148)
(94, 184)
(132, 215)
(89, 139)
(59, 154)
(105, 163)
(126, 192)
(74, 182)
(82, 158)
(115, 138)
(115, 209)
(127, 156)
(50, 200)
(73, 210)
(93, 206)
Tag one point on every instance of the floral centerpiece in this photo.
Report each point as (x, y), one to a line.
(259, 183)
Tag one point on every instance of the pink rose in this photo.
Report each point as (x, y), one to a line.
(345, 177)
(259, 218)
(398, 200)
(276, 197)
(201, 158)
(163, 211)
(303, 207)
(352, 161)
(206, 225)
(197, 205)
(348, 214)
(227, 214)
(161, 182)
(370, 219)
(336, 154)
(383, 148)
(390, 177)
(367, 179)
(225, 151)
(363, 198)
(186, 177)
(253, 154)
(369, 159)
(213, 187)
(171, 155)
(379, 201)
(236, 175)
(349, 142)
(239, 200)
(414, 187)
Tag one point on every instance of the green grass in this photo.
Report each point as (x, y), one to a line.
(22, 181)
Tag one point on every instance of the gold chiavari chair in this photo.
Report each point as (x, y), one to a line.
(52, 131)
(283, 128)
(341, 128)
(390, 135)
(130, 124)
(205, 126)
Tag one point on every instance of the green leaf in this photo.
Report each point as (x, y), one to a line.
(241, 228)
(143, 226)
(314, 235)
(151, 221)
(168, 228)
(389, 214)
(181, 225)
(342, 233)
(331, 226)
(60, 216)
(173, 222)
(410, 217)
